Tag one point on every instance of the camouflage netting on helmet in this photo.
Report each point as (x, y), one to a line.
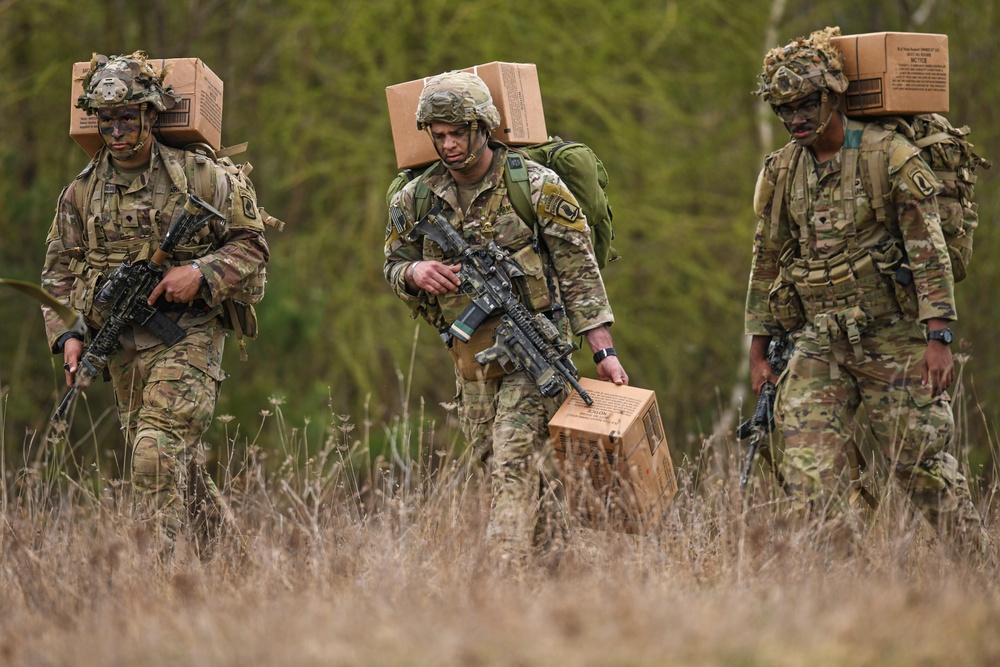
(456, 98)
(121, 81)
(801, 67)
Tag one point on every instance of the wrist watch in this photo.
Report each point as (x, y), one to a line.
(202, 281)
(942, 336)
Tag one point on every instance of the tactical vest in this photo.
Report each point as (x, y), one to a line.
(841, 295)
(187, 171)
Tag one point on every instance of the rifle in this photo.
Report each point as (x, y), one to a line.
(127, 292)
(760, 426)
(524, 340)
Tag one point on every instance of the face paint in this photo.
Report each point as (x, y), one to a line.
(121, 129)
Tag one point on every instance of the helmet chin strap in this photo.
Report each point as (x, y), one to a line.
(830, 110)
(473, 154)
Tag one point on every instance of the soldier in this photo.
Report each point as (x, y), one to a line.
(118, 209)
(868, 302)
(503, 413)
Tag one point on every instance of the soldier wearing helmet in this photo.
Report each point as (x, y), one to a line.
(115, 211)
(863, 286)
(504, 416)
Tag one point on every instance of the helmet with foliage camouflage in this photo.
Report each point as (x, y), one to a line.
(802, 67)
(456, 98)
(121, 81)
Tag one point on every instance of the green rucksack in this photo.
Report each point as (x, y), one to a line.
(575, 163)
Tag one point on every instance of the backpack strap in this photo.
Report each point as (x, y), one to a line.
(422, 193)
(786, 158)
(519, 189)
(850, 155)
(875, 162)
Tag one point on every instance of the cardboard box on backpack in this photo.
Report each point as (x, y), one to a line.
(613, 455)
(196, 118)
(516, 94)
(893, 73)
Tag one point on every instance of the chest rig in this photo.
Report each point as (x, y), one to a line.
(498, 220)
(127, 222)
(841, 295)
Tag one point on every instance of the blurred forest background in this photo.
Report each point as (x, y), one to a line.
(659, 88)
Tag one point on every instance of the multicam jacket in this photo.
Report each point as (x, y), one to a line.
(103, 218)
(566, 248)
(814, 218)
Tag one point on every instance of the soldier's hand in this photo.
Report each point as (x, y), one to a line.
(611, 370)
(72, 351)
(937, 367)
(760, 370)
(433, 276)
(179, 285)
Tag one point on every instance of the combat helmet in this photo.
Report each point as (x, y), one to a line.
(802, 67)
(457, 98)
(121, 81)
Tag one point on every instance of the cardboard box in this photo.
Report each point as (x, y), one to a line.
(516, 94)
(197, 117)
(613, 454)
(895, 73)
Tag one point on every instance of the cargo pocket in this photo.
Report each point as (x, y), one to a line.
(208, 358)
(475, 402)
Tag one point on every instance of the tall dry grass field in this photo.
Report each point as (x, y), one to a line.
(355, 561)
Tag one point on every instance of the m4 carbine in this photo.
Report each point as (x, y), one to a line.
(127, 292)
(524, 340)
(760, 426)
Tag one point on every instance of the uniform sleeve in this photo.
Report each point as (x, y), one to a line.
(237, 264)
(567, 237)
(400, 252)
(64, 244)
(767, 244)
(914, 190)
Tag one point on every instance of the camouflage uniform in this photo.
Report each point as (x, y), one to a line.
(857, 332)
(508, 413)
(165, 396)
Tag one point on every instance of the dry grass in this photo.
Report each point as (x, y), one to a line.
(351, 563)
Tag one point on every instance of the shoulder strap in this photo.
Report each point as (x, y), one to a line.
(875, 164)
(519, 190)
(848, 168)
(422, 195)
(788, 156)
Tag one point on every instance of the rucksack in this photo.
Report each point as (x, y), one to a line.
(946, 150)
(575, 163)
(943, 147)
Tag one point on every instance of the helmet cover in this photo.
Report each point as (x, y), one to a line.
(456, 98)
(121, 81)
(802, 67)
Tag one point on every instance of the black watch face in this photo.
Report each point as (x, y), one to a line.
(943, 335)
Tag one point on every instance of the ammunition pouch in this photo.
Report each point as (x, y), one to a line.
(785, 305)
(532, 286)
(464, 354)
(850, 280)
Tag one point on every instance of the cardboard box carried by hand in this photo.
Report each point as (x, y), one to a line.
(197, 117)
(613, 455)
(516, 95)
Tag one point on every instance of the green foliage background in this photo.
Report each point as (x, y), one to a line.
(659, 88)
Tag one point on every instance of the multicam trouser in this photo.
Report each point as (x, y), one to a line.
(816, 409)
(509, 416)
(166, 398)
